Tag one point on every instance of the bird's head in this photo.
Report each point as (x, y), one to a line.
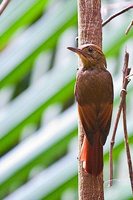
(91, 55)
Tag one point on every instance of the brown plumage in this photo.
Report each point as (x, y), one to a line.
(94, 94)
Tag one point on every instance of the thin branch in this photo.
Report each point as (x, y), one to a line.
(130, 168)
(126, 80)
(117, 14)
(129, 27)
(113, 142)
(129, 75)
(123, 94)
(3, 5)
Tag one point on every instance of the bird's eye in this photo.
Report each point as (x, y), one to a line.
(90, 50)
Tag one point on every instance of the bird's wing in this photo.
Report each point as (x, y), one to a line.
(88, 118)
(91, 122)
(104, 120)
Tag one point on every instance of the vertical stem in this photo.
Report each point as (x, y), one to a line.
(127, 145)
(113, 142)
(89, 31)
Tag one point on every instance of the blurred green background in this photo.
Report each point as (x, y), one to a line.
(38, 117)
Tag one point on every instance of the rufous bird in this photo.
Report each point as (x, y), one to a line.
(94, 94)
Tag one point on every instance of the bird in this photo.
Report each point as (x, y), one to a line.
(94, 95)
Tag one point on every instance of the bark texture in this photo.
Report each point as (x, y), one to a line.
(89, 31)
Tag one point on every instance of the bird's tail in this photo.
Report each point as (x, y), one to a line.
(92, 155)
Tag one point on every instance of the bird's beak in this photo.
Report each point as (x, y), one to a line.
(77, 51)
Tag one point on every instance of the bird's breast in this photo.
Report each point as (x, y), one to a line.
(93, 86)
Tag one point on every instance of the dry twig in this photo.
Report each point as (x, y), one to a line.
(126, 80)
(130, 168)
(129, 27)
(122, 106)
(117, 121)
(117, 14)
(113, 142)
(3, 5)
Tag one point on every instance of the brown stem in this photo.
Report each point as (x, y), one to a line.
(113, 142)
(127, 145)
(117, 119)
(3, 5)
(117, 14)
(89, 31)
(126, 72)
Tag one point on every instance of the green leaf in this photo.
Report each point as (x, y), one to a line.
(41, 145)
(25, 13)
(16, 60)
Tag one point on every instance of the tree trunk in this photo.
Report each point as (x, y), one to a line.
(89, 31)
